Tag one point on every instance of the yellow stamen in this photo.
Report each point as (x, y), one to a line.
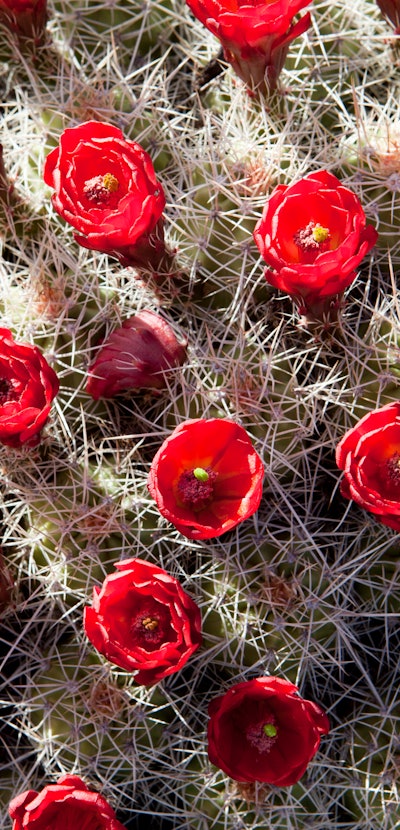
(149, 623)
(110, 182)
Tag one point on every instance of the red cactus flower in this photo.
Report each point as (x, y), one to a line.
(27, 18)
(255, 34)
(106, 188)
(277, 731)
(27, 387)
(137, 355)
(369, 454)
(143, 621)
(391, 10)
(68, 803)
(206, 477)
(313, 235)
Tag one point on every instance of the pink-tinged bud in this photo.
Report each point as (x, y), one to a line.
(139, 355)
(391, 10)
(27, 18)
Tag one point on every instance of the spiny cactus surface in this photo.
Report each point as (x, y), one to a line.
(307, 588)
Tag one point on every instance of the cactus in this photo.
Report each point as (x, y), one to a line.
(307, 587)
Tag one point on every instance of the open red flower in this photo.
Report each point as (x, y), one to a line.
(106, 188)
(27, 387)
(313, 235)
(27, 18)
(143, 621)
(369, 454)
(61, 806)
(261, 730)
(255, 34)
(137, 355)
(391, 10)
(206, 477)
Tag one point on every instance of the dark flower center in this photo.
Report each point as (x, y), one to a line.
(196, 487)
(151, 625)
(102, 190)
(263, 735)
(312, 237)
(7, 391)
(392, 469)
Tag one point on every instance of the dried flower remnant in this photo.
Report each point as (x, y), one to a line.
(391, 10)
(143, 621)
(383, 150)
(68, 803)
(369, 454)
(49, 298)
(255, 35)
(313, 235)
(250, 792)
(26, 18)
(138, 355)
(105, 700)
(206, 478)
(106, 188)
(277, 731)
(278, 591)
(28, 386)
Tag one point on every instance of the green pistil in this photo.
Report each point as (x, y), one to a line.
(200, 474)
(270, 730)
(320, 234)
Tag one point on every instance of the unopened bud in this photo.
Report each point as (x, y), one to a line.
(138, 355)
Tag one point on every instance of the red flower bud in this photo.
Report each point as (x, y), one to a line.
(63, 805)
(106, 188)
(277, 731)
(142, 620)
(313, 235)
(255, 35)
(27, 18)
(27, 387)
(391, 10)
(369, 454)
(138, 355)
(206, 477)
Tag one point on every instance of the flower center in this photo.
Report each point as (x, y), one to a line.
(102, 189)
(196, 487)
(262, 735)
(7, 391)
(312, 237)
(392, 469)
(150, 625)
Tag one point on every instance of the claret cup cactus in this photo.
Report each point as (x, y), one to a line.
(199, 395)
